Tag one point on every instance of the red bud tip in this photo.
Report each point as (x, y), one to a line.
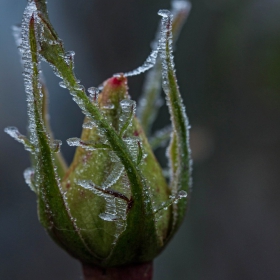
(117, 81)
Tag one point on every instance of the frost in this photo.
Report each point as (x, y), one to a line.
(56, 144)
(112, 212)
(148, 64)
(87, 145)
(128, 110)
(89, 125)
(62, 84)
(28, 175)
(94, 93)
(164, 13)
(108, 107)
(114, 176)
(173, 199)
(14, 133)
(132, 145)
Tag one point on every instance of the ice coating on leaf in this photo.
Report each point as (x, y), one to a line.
(50, 194)
(69, 58)
(56, 144)
(114, 176)
(113, 157)
(150, 100)
(164, 13)
(62, 84)
(28, 68)
(148, 64)
(87, 145)
(178, 150)
(112, 213)
(173, 199)
(132, 145)
(94, 93)
(14, 133)
(28, 175)
(89, 125)
(128, 110)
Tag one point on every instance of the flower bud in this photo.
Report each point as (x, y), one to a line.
(113, 205)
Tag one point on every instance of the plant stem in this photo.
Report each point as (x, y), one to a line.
(142, 271)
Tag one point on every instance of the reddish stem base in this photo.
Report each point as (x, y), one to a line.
(142, 271)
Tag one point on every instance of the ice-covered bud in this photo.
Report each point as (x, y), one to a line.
(112, 207)
(100, 196)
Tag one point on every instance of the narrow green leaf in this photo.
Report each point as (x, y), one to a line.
(179, 150)
(53, 211)
(150, 100)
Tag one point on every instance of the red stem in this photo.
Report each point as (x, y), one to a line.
(142, 271)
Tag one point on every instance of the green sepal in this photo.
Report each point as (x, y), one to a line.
(52, 208)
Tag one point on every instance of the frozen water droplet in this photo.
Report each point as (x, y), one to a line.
(74, 141)
(94, 93)
(69, 57)
(148, 64)
(108, 217)
(14, 133)
(164, 13)
(28, 175)
(117, 75)
(182, 194)
(108, 106)
(89, 125)
(79, 87)
(69, 54)
(56, 144)
(62, 84)
(87, 145)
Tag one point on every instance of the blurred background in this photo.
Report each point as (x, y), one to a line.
(228, 67)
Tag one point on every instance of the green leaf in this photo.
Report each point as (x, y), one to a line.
(179, 150)
(52, 208)
(150, 100)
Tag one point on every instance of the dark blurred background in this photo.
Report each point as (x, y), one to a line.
(228, 67)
